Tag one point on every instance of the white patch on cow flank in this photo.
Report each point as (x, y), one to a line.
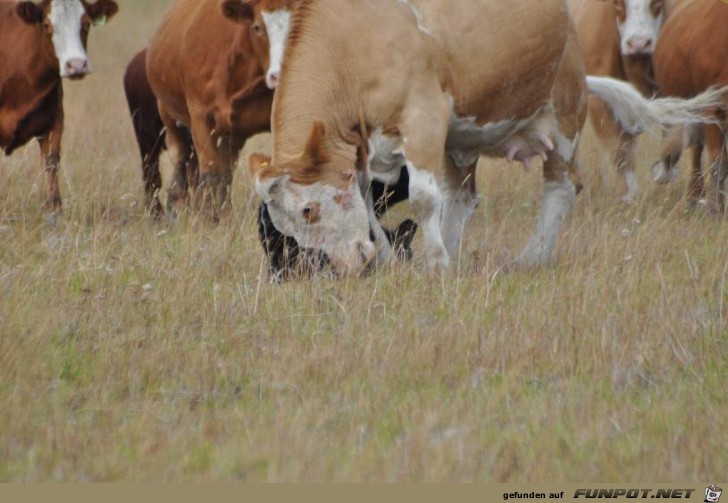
(640, 30)
(277, 24)
(65, 17)
(418, 16)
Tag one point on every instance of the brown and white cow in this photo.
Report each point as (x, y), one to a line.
(618, 38)
(211, 66)
(41, 43)
(690, 58)
(355, 102)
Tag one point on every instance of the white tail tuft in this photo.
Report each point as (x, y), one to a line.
(637, 114)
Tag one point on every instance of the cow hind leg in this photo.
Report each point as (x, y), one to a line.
(696, 187)
(618, 146)
(715, 142)
(560, 188)
(665, 170)
(150, 138)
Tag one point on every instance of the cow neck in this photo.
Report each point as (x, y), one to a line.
(242, 68)
(312, 88)
(39, 75)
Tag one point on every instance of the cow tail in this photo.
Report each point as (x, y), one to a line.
(636, 114)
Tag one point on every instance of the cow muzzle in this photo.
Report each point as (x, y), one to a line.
(640, 46)
(356, 260)
(75, 69)
(272, 79)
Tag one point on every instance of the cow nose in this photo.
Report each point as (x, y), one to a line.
(77, 67)
(272, 79)
(639, 46)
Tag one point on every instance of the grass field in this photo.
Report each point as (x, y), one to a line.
(132, 351)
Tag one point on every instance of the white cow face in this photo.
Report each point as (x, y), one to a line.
(270, 22)
(639, 23)
(319, 212)
(277, 23)
(68, 22)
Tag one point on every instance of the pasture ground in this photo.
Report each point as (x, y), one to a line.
(131, 351)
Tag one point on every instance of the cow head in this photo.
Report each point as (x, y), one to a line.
(639, 23)
(67, 23)
(318, 203)
(270, 22)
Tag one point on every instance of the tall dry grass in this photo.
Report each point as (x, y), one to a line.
(130, 351)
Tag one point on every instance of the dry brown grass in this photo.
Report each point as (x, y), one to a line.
(130, 351)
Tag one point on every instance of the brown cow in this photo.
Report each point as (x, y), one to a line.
(617, 40)
(688, 60)
(211, 76)
(41, 43)
(355, 102)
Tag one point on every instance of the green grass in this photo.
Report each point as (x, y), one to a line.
(132, 351)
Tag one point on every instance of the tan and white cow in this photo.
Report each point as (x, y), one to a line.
(40, 44)
(618, 38)
(355, 102)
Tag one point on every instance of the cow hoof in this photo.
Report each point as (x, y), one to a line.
(53, 219)
(662, 175)
(628, 199)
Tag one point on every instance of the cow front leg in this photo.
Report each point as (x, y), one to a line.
(424, 127)
(426, 200)
(50, 151)
(180, 149)
(461, 201)
(216, 154)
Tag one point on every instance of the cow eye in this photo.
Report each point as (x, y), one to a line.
(257, 28)
(311, 213)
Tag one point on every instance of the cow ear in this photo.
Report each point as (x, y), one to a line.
(316, 152)
(266, 178)
(257, 163)
(30, 12)
(237, 11)
(101, 11)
